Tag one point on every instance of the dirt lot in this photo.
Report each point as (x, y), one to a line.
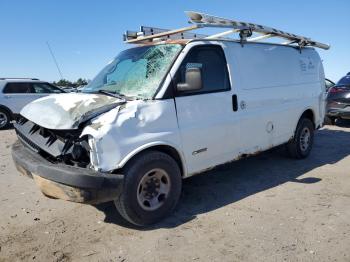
(264, 208)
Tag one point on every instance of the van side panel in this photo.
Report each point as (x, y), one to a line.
(275, 85)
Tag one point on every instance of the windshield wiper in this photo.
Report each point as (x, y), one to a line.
(112, 93)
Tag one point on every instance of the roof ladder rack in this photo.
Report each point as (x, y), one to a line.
(201, 20)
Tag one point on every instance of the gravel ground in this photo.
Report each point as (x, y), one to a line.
(263, 208)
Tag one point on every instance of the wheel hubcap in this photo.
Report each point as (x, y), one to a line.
(3, 119)
(305, 138)
(153, 189)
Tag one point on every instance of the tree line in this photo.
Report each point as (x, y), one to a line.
(67, 83)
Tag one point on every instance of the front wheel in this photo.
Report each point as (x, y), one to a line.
(301, 144)
(151, 189)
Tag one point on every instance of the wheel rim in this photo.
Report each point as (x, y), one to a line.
(3, 119)
(305, 138)
(153, 189)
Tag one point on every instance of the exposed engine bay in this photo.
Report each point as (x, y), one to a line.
(57, 146)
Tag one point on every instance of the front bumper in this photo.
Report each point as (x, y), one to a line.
(66, 182)
(342, 113)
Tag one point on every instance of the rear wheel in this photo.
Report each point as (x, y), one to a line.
(5, 119)
(301, 144)
(151, 190)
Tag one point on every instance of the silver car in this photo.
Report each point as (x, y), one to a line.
(15, 93)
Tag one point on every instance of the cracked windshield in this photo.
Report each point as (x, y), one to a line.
(136, 72)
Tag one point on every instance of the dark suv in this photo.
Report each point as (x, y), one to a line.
(338, 100)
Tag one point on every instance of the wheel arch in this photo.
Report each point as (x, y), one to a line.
(166, 148)
(309, 114)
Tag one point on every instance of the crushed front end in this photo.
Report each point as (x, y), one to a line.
(59, 163)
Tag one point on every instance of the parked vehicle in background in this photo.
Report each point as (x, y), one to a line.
(169, 109)
(338, 101)
(80, 88)
(15, 93)
(329, 84)
(68, 89)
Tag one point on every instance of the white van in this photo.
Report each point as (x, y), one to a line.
(166, 110)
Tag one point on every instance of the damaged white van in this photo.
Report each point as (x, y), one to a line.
(175, 105)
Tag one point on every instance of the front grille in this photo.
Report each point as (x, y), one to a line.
(54, 145)
(39, 139)
(27, 142)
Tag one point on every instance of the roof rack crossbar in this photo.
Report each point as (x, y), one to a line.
(201, 20)
(225, 33)
(261, 37)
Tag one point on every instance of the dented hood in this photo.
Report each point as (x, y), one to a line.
(67, 111)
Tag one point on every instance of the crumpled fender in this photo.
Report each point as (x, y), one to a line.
(130, 128)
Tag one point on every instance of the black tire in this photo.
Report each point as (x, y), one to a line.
(297, 147)
(329, 120)
(129, 204)
(5, 119)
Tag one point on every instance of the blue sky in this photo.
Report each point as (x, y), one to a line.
(85, 35)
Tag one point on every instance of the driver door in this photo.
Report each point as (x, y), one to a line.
(208, 124)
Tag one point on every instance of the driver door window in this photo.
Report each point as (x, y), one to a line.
(212, 63)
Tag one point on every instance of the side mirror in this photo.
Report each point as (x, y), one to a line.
(193, 78)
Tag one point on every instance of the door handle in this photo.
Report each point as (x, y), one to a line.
(234, 103)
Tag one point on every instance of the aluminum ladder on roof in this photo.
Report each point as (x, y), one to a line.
(201, 20)
(148, 33)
